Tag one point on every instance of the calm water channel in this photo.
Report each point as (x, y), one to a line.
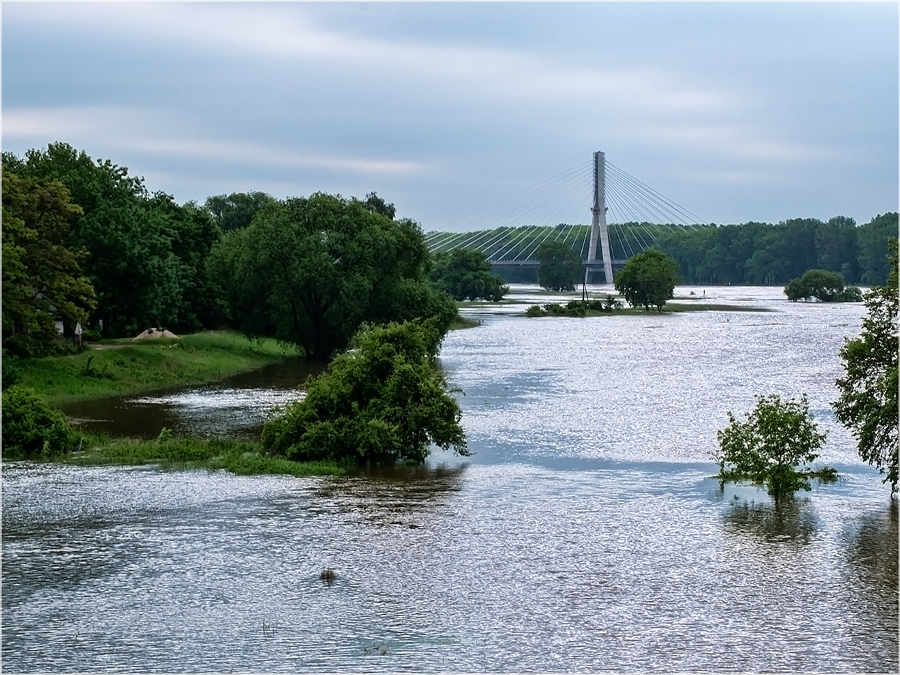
(584, 534)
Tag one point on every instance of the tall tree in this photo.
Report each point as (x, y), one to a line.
(376, 204)
(466, 275)
(130, 261)
(191, 232)
(559, 267)
(648, 279)
(311, 270)
(42, 278)
(868, 400)
(145, 254)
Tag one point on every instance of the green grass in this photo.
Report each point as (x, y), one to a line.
(242, 458)
(119, 367)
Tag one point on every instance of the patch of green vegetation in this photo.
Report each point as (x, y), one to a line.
(677, 307)
(462, 322)
(575, 308)
(124, 367)
(242, 458)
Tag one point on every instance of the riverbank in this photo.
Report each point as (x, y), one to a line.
(120, 367)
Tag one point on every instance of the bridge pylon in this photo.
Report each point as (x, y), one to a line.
(599, 229)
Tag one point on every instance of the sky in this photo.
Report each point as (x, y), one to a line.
(736, 112)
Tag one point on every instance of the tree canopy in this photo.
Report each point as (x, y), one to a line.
(868, 400)
(380, 403)
(821, 285)
(559, 267)
(145, 254)
(310, 271)
(648, 279)
(776, 439)
(42, 279)
(466, 275)
(236, 210)
(764, 253)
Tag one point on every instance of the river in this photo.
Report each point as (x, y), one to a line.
(584, 534)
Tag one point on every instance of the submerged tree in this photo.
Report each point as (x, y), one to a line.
(380, 403)
(559, 267)
(774, 446)
(822, 285)
(648, 279)
(868, 401)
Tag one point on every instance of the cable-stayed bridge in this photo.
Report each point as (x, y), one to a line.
(626, 216)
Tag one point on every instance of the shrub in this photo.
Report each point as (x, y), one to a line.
(31, 428)
(381, 403)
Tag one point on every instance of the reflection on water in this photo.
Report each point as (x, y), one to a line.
(874, 547)
(783, 520)
(586, 533)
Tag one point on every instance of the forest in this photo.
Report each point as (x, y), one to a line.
(765, 254)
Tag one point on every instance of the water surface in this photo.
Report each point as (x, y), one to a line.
(584, 534)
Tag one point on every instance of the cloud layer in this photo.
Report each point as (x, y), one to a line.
(738, 112)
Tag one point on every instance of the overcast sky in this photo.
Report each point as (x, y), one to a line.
(735, 111)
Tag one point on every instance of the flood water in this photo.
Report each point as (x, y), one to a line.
(584, 534)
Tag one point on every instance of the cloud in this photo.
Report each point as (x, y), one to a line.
(286, 33)
(138, 130)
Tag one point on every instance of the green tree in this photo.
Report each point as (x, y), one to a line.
(648, 279)
(820, 284)
(130, 262)
(868, 399)
(235, 211)
(191, 233)
(376, 204)
(873, 245)
(381, 403)
(776, 438)
(559, 267)
(466, 275)
(310, 271)
(42, 278)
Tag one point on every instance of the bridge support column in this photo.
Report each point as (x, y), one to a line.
(599, 229)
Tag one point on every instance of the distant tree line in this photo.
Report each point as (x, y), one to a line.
(763, 254)
(752, 253)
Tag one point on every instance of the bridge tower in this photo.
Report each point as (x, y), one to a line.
(599, 229)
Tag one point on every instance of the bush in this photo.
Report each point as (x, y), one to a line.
(777, 438)
(849, 294)
(822, 285)
(381, 403)
(31, 428)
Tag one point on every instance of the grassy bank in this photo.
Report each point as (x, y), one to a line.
(243, 458)
(125, 367)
